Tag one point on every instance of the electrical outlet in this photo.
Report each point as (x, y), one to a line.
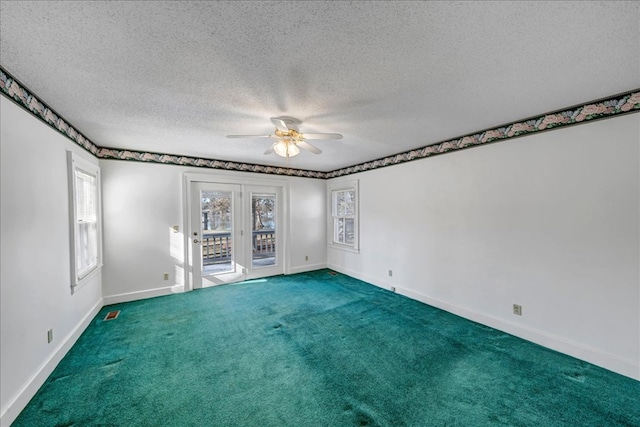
(390, 273)
(49, 335)
(517, 309)
(306, 257)
(165, 276)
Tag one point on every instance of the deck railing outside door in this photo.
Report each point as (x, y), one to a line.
(217, 246)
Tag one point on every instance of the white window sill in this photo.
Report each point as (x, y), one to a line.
(346, 248)
(95, 272)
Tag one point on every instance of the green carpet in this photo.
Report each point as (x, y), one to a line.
(317, 349)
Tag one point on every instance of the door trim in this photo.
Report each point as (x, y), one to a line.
(190, 177)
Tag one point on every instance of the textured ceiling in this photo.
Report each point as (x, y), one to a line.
(176, 77)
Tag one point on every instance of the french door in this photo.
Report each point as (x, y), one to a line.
(234, 232)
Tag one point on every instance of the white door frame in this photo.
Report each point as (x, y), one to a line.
(219, 178)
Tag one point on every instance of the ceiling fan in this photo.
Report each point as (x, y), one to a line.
(289, 139)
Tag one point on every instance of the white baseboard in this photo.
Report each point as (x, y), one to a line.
(305, 268)
(13, 409)
(138, 295)
(365, 278)
(580, 351)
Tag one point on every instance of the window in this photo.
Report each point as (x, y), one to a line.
(344, 214)
(84, 183)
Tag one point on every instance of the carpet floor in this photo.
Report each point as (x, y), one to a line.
(317, 349)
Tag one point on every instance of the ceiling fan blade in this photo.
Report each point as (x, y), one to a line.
(321, 136)
(307, 146)
(248, 136)
(280, 124)
(270, 149)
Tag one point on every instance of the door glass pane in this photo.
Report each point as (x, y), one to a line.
(263, 219)
(217, 239)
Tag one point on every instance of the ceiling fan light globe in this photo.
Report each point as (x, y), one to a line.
(286, 149)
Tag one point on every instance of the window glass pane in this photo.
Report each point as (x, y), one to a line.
(340, 203)
(349, 203)
(349, 233)
(344, 203)
(85, 196)
(340, 230)
(86, 239)
(86, 248)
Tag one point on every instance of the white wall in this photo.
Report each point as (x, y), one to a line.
(142, 201)
(308, 233)
(35, 285)
(548, 221)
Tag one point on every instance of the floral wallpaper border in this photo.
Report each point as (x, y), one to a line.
(625, 103)
(172, 159)
(26, 99)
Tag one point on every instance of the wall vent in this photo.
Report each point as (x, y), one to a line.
(112, 315)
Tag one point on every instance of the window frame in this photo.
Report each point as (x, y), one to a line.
(76, 163)
(333, 189)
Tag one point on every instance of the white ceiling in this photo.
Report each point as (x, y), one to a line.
(176, 77)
